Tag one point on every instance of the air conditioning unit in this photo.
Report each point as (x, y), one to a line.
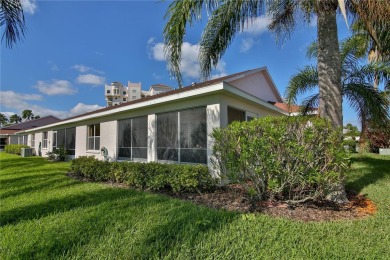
(26, 152)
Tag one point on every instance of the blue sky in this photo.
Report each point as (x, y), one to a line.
(72, 48)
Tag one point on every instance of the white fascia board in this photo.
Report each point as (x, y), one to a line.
(174, 97)
(252, 98)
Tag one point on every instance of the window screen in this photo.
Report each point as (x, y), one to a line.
(133, 138)
(235, 115)
(167, 136)
(70, 140)
(193, 135)
(182, 136)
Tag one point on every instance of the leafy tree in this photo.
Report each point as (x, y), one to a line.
(230, 17)
(12, 18)
(14, 119)
(37, 117)
(3, 119)
(27, 114)
(353, 131)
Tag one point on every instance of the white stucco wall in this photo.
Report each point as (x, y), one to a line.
(109, 139)
(81, 141)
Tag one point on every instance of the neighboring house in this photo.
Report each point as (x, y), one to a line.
(293, 110)
(8, 133)
(155, 90)
(173, 126)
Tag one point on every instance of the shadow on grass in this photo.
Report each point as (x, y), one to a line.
(109, 213)
(368, 171)
(31, 185)
(22, 163)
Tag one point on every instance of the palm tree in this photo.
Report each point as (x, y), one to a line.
(228, 17)
(12, 18)
(14, 119)
(358, 85)
(3, 119)
(27, 114)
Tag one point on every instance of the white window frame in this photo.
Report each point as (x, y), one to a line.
(93, 138)
(32, 141)
(45, 140)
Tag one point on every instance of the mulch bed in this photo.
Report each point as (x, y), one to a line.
(234, 197)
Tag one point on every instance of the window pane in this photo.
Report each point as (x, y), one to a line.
(97, 143)
(167, 130)
(91, 143)
(167, 154)
(61, 138)
(91, 131)
(140, 132)
(97, 130)
(235, 115)
(71, 140)
(167, 136)
(124, 133)
(124, 153)
(54, 139)
(193, 155)
(140, 153)
(193, 128)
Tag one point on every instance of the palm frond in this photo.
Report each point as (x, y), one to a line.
(283, 17)
(367, 102)
(231, 17)
(306, 79)
(312, 50)
(181, 13)
(309, 104)
(12, 17)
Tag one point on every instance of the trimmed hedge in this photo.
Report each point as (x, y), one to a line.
(15, 148)
(284, 158)
(152, 176)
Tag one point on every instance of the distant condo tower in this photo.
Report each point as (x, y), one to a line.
(117, 94)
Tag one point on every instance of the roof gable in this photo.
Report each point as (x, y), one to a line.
(257, 83)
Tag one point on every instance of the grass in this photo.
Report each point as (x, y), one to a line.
(46, 215)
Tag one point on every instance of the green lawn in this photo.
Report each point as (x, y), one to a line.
(46, 215)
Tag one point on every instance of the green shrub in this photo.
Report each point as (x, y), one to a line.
(350, 145)
(152, 176)
(286, 158)
(15, 148)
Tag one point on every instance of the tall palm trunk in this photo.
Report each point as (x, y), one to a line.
(329, 65)
(329, 76)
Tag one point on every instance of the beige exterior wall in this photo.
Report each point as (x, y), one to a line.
(216, 110)
(257, 85)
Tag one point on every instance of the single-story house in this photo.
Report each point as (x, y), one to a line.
(8, 133)
(173, 126)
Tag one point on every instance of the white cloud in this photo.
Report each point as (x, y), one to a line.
(18, 102)
(90, 79)
(29, 6)
(252, 30)
(189, 65)
(8, 114)
(258, 25)
(246, 44)
(83, 69)
(55, 87)
(81, 108)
